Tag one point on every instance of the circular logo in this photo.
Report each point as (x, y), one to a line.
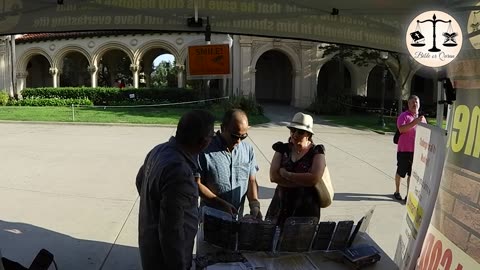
(434, 38)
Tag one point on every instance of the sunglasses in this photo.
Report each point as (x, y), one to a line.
(237, 137)
(298, 131)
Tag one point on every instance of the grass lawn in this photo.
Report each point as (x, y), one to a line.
(149, 115)
(368, 122)
(168, 116)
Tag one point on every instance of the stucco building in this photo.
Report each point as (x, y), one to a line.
(278, 70)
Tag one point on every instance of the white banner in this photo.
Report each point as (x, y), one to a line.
(427, 170)
(367, 23)
(439, 251)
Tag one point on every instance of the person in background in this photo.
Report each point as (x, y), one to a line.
(168, 217)
(296, 167)
(228, 168)
(407, 124)
(120, 84)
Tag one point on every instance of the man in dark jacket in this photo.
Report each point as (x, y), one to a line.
(168, 217)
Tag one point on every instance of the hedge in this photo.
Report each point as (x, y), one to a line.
(111, 96)
(49, 102)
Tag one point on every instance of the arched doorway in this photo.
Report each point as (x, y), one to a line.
(75, 71)
(334, 80)
(114, 66)
(374, 89)
(273, 78)
(38, 72)
(158, 68)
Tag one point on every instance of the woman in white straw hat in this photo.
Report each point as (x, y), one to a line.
(296, 167)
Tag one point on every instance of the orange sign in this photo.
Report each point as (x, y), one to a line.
(208, 60)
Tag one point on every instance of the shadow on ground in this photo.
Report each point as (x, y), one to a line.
(280, 115)
(21, 242)
(364, 197)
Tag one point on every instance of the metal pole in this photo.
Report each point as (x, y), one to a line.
(208, 35)
(440, 105)
(73, 113)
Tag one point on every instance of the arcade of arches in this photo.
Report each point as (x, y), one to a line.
(271, 70)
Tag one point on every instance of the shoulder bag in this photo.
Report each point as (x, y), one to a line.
(324, 189)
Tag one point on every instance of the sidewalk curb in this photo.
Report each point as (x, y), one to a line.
(84, 123)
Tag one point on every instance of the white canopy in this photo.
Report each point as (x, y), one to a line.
(376, 24)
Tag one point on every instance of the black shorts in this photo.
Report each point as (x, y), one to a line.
(404, 163)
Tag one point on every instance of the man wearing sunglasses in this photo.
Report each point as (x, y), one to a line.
(228, 168)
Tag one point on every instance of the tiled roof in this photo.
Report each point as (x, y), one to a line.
(68, 35)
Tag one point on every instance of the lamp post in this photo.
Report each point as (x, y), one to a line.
(384, 57)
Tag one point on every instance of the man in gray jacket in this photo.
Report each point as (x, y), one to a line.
(168, 217)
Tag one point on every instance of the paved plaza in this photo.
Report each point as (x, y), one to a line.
(70, 188)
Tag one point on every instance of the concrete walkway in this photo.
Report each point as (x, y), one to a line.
(70, 188)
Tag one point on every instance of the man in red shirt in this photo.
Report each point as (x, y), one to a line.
(407, 124)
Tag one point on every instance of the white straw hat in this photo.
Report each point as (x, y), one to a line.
(302, 121)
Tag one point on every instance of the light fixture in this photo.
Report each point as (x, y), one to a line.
(335, 11)
(384, 55)
(192, 23)
(60, 2)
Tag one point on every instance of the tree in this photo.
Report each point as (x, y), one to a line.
(400, 65)
(165, 75)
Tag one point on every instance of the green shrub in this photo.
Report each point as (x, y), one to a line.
(3, 98)
(337, 104)
(110, 95)
(246, 103)
(50, 102)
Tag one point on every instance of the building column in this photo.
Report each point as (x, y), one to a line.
(147, 70)
(225, 87)
(54, 72)
(21, 81)
(135, 70)
(251, 74)
(359, 79)
(180, 76)
(297, 92)
(308, 75)
(93, 75)
(246, 71)
(236, 66)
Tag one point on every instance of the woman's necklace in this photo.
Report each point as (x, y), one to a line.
(302, 149)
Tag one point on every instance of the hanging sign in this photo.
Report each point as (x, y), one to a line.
(208, 61)
(434, 38)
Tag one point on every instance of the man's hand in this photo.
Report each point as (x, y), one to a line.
(420, 119)
(227, 207)
(255, 209)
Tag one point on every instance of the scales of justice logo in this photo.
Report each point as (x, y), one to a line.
(434, 38)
